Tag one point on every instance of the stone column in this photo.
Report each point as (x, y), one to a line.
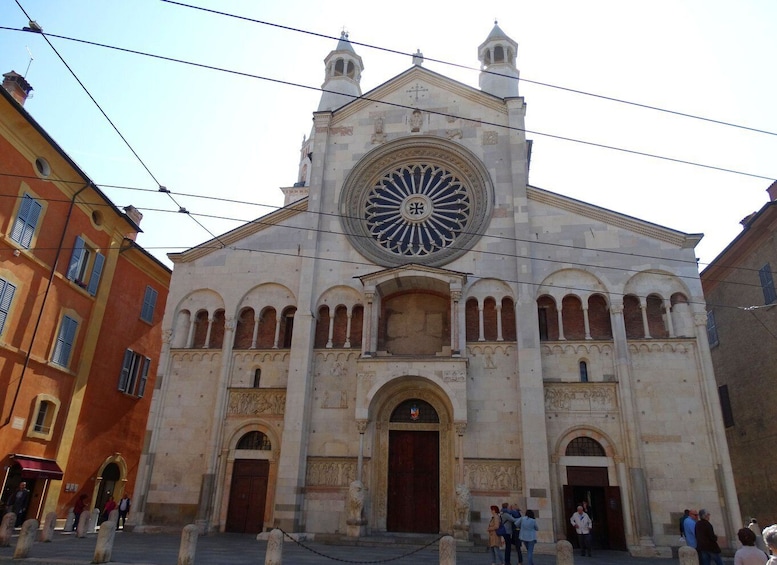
(188, 546)
(586, 323)
(349, 316)
(463, 499)
(47, 533)
(560, 317)
(331, 329)
(480, 322)
(26, 539)
(207, 334)
(645, 325)
(277, 329)
(104, 547)
(499, 323)
(361, 426)
(190, 337)
(255, 335)
(668, 310)
(455, 332)
(367, 325)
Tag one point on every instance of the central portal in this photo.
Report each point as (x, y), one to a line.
(413, 497)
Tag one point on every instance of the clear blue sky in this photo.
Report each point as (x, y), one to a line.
(216, 134)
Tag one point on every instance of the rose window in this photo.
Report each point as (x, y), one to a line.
(416, 210)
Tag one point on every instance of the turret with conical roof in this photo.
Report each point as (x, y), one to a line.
(343, 73)
(498, 75)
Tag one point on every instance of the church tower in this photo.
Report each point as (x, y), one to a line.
(343, 73)
(498, 75)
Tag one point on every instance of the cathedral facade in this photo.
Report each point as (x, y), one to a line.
(419, 333)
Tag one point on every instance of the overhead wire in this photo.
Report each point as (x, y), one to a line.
(39, 31)
(407, 107)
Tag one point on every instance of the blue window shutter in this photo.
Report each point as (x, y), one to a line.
(75, 259)
(126, 367)
(97, 271)
(149, 303)
(26, 222)
(143, 377)
(67, 333)
(6, 296)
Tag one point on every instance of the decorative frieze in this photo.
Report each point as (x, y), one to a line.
(580, 397)
(502, 475)
(333, 472)
(253, 402)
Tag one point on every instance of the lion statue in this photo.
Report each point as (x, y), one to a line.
(462, 505)
(355, 501)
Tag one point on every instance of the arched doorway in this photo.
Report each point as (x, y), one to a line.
(413, 470)
(110, 477)
(413, 501)
(248, 491)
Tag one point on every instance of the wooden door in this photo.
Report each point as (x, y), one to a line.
(413, 482)
(247, 496)
(617, 535)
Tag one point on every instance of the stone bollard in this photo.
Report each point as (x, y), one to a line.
(47, 533)
(94, 521)
(448, 551)
(688, 556)
(274, 554)
(83, 524)
(70, 521)
(565, 553)
(6, 529)
(188, 544)
(26, 539)
(104, 547)
(114, 517)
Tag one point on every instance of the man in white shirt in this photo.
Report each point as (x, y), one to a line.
(582, 523)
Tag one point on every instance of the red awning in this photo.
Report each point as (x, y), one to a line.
(37, 468)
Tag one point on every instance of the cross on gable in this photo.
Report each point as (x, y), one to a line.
(416, 90)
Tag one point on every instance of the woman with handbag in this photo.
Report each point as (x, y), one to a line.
(494, 539)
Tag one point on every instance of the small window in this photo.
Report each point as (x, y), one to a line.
(583, 372)
(712, 329)
(255, 441)
(134, 373)
(7, 291)
(257, 377)
(725, 406)
(767, 284)
(44, 417)
(542, 315)
(26, 221)
(65, 339)
(585, 447)
(149, 303)
(415, 410)
(86, 266)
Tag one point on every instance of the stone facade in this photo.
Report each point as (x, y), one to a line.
(425, 322)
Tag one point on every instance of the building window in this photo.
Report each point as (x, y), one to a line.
(134, 373)
(712, 329)
(26, 221)
(767, 284)
(45, 416)
(585, 447)
(6, 297)
(255, 441)
(725, 406)
(86, 266)
(583, 372)
(149, 303)
(65, 340)
(257, 377)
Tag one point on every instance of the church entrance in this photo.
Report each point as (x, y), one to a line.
(413, 482)
(590, 484)
(247, 496)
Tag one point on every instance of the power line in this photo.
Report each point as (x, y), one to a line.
(38, 30)
(471, 68)
(405, 106)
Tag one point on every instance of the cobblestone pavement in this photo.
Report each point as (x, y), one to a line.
(244, 549)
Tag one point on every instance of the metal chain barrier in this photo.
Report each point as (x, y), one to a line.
(403, 556)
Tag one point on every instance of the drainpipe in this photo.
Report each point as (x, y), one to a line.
(43, 305)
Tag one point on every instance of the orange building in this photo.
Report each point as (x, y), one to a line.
(81, 306)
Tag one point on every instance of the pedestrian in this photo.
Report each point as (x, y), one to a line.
(515, 512)
(494, 540)
(124, 508)
(689, 527)
(706, 540)
(508, 522)
(686, 512)
(770, 539)
(528, 534)
(583, 526)
(759, 540)
(18, 502)
(748, 554)
(78, 508)
(110, 506)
